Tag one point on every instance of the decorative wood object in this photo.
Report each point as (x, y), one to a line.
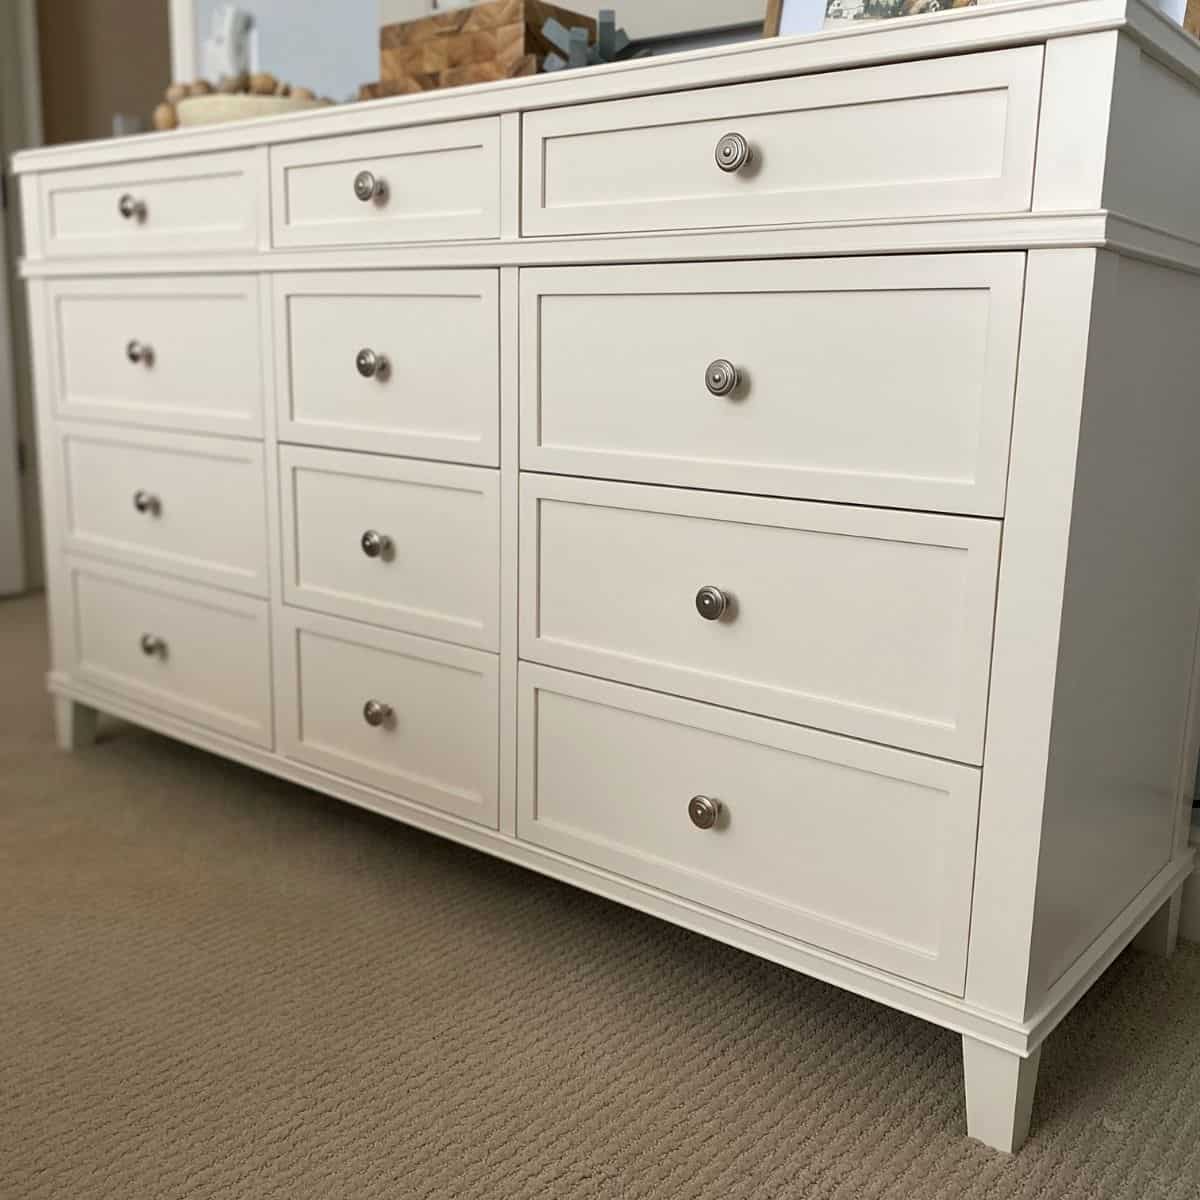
(497, 40)
(774, 13)
(1191, 18)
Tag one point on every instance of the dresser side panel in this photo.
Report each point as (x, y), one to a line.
(1050, 381)
(1130, 608)
(1154, 148)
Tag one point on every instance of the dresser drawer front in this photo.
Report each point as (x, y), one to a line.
(432, 390)
(883, 381)
(198, 654)
(437, 183)
(194, 507)
(945, 137)
(863, 851)
(205, 202)
(434, 566)
(436, 743)
(170, 353)
(872, 623)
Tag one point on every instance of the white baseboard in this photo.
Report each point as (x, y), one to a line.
(1189, 922)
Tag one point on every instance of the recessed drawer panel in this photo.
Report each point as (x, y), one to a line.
(437, 183)
(394, 362)
(167, 352)
(195, 507)
(861, 850)
(201, 203)
(196, 653)
(873, 381)
(861, 621)
(945, 137)
(414, 546)
(416, 719)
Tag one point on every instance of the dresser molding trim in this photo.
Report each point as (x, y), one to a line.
(1083, 230)
(1017, 1037)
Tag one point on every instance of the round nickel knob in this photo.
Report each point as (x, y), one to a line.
(733, 152)
(369, 364)
(704, 811)
(153, 645)
(374, 544)
(712, 603)
(147, 502)
(375, 713)
(368, 188)
(139, 352)
(130, 208)
(722, 377)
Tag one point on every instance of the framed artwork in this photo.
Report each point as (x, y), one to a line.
(807, 16)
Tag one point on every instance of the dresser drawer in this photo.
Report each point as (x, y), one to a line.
(862, 621)
(430, 735)
(195, 507)
(946, 137)
(861, 850)
(414, 546)
(430, 184)
(431, 389)
(194, 653)
(874, 381)
(168, 352)
(201, 203)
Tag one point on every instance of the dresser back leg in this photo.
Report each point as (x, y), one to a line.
(1000, 1087)
(1161, 933)
(74, 723)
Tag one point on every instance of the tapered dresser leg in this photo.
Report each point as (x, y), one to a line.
(1161, 933)
(1000, 1086)
(74, 723)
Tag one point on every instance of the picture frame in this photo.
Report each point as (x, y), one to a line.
(793, 16)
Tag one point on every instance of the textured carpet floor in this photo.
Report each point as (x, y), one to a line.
(214, 984)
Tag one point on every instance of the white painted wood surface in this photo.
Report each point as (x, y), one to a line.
(204, 372)
(836, 399)
(960, 138)
(214, 666)
(888, 637)
(862, 621)
(438, 745)
(438, 575)
(438, 182)
(214, 202)
(438, 395)
(858, 849)
(203, 503)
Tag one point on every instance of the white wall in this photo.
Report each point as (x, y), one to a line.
(331, 46)
(640, 18)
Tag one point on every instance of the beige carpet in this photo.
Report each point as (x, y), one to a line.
(214, 984)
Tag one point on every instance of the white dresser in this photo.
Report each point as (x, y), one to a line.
(758, 485)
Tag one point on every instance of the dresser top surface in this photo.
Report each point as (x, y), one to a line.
(928, 35)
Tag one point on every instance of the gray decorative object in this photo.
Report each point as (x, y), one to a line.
(572, 48)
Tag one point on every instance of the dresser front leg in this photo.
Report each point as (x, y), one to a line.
(1000, 1086)
(1160, 934)
(74, 723)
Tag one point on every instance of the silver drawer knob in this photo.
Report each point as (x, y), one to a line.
(376, 713)
(704, 811)
(139, 352)
(153, 646)
(131, 209)
(375, 545)
(722, 377)
(733, 153)
(147, 502)
(712, 603)
(367, 187)
(370, 365)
